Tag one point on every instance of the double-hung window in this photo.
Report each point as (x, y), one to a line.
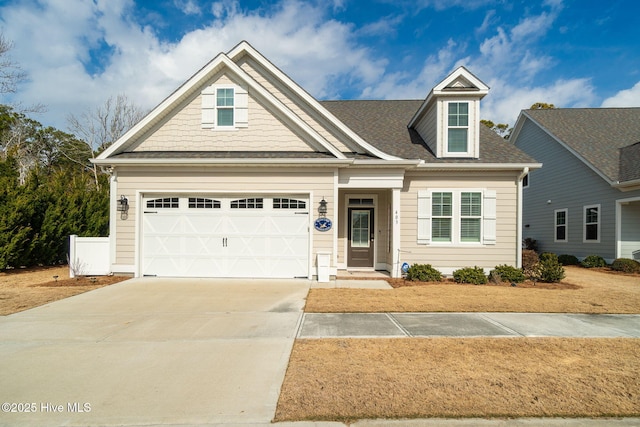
(224, 107)
(470, 216)
(561, 225)
(592, 224)
(458, 127)
(442, 221)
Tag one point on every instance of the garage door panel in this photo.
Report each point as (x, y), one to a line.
(227, 242)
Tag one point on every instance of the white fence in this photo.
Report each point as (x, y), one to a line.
(89, 256)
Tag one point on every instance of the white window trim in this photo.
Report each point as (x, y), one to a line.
(473, 129)
(565, 225)
(487, 217)
(225, 107)
(584, 223)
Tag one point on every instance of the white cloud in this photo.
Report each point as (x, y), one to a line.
(624, 98)
(505, 101)
(319, 53)
(188, 7)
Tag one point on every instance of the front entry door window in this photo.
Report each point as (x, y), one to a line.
(360, 237)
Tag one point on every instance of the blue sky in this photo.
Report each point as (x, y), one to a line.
(572, 53)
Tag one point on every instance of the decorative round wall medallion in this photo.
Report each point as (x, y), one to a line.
(323, 224)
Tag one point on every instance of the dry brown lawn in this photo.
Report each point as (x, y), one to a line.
(22, 289)
(582, 291)
(350, 379)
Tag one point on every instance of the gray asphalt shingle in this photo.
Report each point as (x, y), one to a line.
(605, 137)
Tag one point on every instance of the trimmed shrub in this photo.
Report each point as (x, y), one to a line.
(473, 275)
(593, 261)
(568, 260)
(423, 273)
(508, 273)
(549, 269)
(626, 265)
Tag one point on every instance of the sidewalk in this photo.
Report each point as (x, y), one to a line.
(398, 325)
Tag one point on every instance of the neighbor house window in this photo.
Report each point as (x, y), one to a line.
(561, 225)
(442, 211)
(592, 223)
(470, 216)
(224, 106)
(458, 127)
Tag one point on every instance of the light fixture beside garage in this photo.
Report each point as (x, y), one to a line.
(123, 207)
(322, 209)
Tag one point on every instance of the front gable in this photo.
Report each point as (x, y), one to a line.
(240, 103)
(194, 124)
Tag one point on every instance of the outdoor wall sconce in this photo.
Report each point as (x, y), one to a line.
(322, 209)
(123, 207)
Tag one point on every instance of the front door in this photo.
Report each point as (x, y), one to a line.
(361, 236)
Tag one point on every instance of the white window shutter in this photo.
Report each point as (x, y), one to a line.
(241, 107)
(489, 218)
(424, 217)
(208, 96)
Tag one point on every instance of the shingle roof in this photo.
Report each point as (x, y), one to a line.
(383, 124)
(604, 137)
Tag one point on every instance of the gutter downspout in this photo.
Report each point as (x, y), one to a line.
(525, 171)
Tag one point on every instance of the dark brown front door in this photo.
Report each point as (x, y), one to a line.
(361, 235)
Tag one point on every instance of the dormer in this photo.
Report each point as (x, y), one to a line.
(449, 118)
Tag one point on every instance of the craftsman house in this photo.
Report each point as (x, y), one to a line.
(241, 173)
(586, 198)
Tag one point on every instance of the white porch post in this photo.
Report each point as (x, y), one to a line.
(395, 242)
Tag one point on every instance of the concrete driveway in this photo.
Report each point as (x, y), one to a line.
(152, 351)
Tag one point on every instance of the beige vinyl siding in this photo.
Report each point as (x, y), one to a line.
(427, 127)
(456, 256)
(288, 98)
(204, 180)
(183, 130)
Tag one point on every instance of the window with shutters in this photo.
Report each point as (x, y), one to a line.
(224, 107)
(456, 217)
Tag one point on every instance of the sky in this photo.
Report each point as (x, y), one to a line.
(571, 53)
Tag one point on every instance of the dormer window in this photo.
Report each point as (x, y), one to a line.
(458, 127)
(449, 118)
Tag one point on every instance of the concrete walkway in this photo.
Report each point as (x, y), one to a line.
(392, 325)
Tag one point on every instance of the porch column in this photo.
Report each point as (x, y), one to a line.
(395, 235)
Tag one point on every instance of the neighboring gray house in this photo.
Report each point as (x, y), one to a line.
(586, 198)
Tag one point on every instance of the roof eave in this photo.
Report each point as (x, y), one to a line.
(222, 162)
(480, 166)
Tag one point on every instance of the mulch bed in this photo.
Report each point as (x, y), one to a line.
(81, 281)
(399, 283)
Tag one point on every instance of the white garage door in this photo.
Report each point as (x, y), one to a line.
(209, 236)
